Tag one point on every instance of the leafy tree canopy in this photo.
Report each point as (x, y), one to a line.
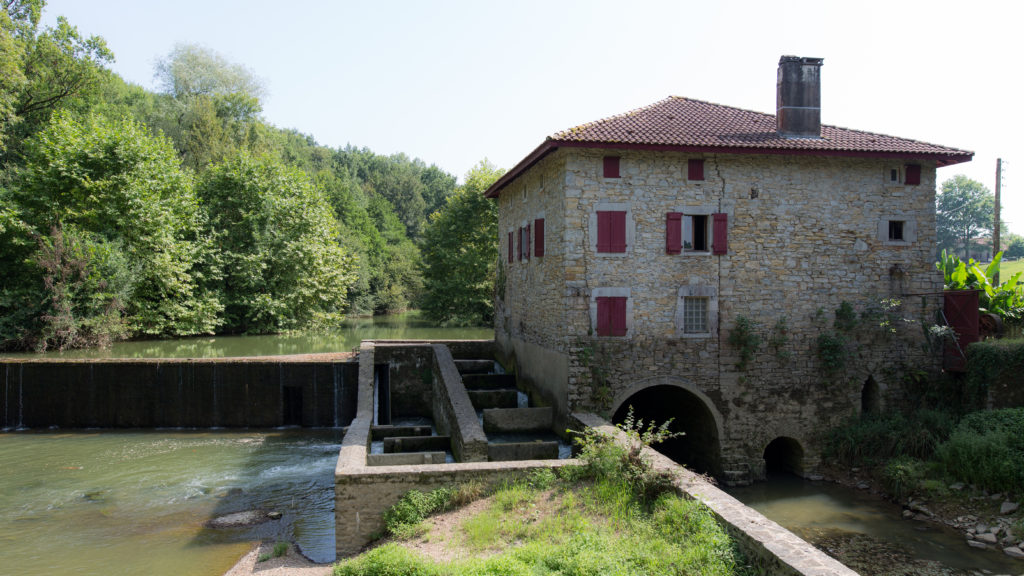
(460, 253)
(964, 211)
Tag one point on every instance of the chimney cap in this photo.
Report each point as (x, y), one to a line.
(802, 60)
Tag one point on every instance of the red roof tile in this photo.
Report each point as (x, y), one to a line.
(698, 126)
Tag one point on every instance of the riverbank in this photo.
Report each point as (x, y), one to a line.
(292, 563)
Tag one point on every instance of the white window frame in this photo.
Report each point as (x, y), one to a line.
(696, 291)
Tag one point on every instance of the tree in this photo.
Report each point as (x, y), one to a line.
(460, 253)
(277, 239)
(963, 210)
(1015, 247)
(93, 186)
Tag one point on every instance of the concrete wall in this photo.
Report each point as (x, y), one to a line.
(454, 414)
(805, 234)
(173, 393)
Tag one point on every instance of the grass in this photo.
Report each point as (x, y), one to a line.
(613, 515)
(1007, 269)
(280, 549)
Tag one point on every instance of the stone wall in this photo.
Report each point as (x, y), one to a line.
(175, 393)
(805, 234)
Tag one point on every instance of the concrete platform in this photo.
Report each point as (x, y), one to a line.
(382, 432)
(519, 419)
(405, 459)
(485, 399)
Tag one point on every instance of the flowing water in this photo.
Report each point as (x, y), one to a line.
(820, 512)
(407, 326)
(127, 503)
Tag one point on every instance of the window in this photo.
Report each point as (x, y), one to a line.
(696, 312)
(695, 315)
(611, 316)
(695, 169)
(913, 177)
(896, 230)
(611, 231)
(695, 233)
(538, 237)
(526, 242)
(894, 176)
(611, 166)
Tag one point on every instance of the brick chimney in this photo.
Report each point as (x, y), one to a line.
(798, 97)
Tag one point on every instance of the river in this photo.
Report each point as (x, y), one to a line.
(868, 533)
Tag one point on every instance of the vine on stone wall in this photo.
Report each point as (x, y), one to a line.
(744, 337)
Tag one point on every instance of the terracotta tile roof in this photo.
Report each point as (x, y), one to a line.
(677, 123)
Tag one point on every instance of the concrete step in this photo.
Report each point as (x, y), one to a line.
(485, 399)
(488, 381)
(405, 459)
(483, 366)
(382, 432)
(519, 419)
(522, 451)
(417, 444)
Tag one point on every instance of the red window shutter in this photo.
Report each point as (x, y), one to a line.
(538, 231)
(511, 247)
(603, 315)
(695, 169)
(611, 166)
(673, 233)
(519, 244)
(913, 174)
(618, 317)
(526, 242)
(720, 233)
(604, 232)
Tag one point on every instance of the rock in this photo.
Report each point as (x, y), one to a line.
(274, 515)
(978, 545)
(987, 538)
(908, 514)
(863, 486)
(996, 496)
(1014, 552)
(854, 470)
(956, 486)
(970, 535)
(238, 519)
(920, 508)
(981, 528)
(1008, 508)
(814, 477)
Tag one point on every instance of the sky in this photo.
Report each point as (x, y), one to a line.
(454, 82)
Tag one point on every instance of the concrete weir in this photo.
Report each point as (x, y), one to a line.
(367, 485)
(171, 393)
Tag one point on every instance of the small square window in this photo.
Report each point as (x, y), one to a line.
(695, 233)
(896, 230)
(695, 315)
(894, 175)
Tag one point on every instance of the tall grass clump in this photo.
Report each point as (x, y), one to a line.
(875, 439)
(987, 449)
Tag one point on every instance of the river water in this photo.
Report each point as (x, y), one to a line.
(825, 513)
(109, 503)
(344, 338)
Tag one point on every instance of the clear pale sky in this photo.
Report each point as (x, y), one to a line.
(452, 82)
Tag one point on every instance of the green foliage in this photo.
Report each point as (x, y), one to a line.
(963, 212)
(744, 337)
(994, 361)
(403, 519)
(1015, 248)
(460, 254)
(118, 186)
(276, 238)
(987, 449)
(846, 318)
(832, 351)
(901, 476)
(876, 438)
(779, 338)
(1005, 299)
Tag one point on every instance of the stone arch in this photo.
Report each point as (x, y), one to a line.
(692, 412)
(784, 455)
(870, 397)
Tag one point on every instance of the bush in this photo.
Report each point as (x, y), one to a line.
(403, 519)
(387, 560)
(877, 438)
(901, 476)
(987, 449)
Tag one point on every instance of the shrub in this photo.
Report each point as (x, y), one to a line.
(876, 438)
(403, 519)
(987, 449)
(901, 476)
(387, 560)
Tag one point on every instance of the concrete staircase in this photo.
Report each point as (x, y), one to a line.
(507, 424)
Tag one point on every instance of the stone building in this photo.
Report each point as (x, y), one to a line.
(756, 277)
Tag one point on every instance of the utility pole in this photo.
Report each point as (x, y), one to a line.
(995, 225)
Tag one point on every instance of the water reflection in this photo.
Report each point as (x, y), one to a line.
(407, 326)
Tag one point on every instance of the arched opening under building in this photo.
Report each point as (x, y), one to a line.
(869, 397)
(698, 449)
(784, 456)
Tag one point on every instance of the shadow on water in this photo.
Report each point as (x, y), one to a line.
(291, 474)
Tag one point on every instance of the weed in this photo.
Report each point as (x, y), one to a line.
(779, 338)
(404, 518)
(901, 476)
(832, 351)
(744, 337)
